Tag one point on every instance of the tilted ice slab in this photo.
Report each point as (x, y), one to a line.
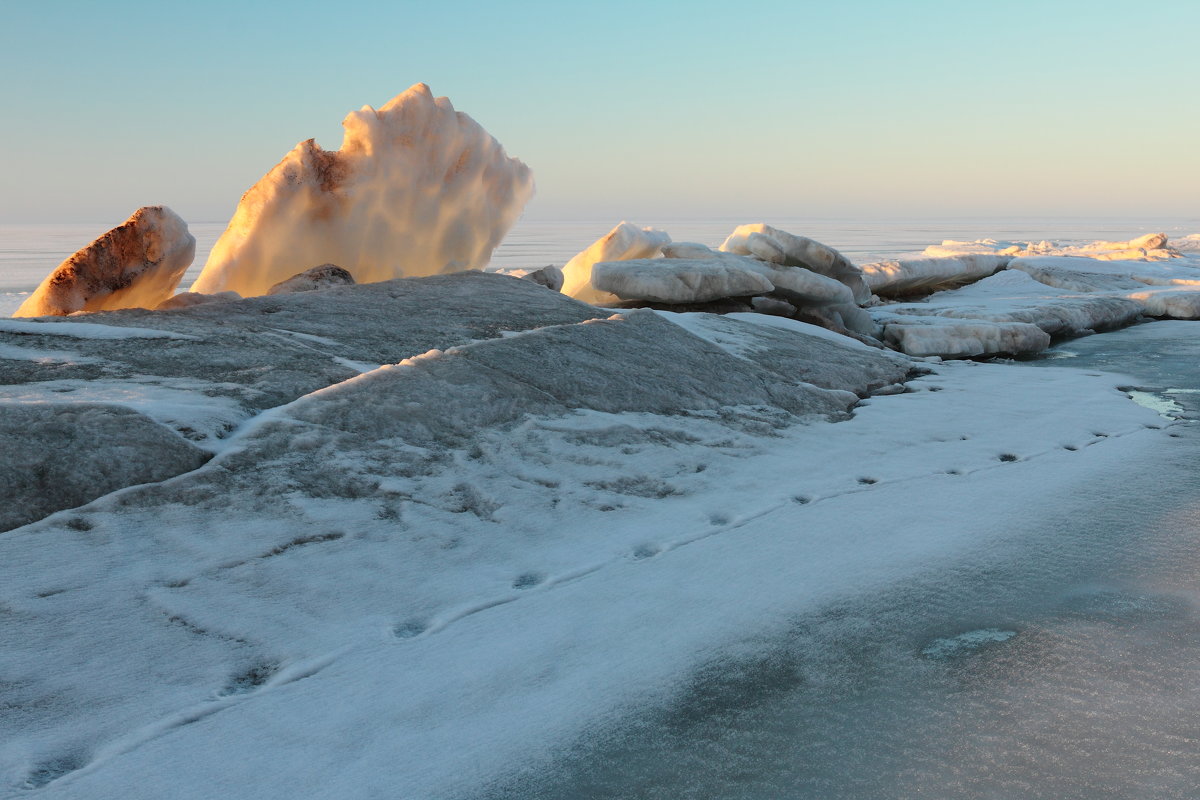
(679, 280)
(625, 241)
(135, 265)
(780, 247)
(427, 577)
(417, 188)
(992, 316)
(912, 276)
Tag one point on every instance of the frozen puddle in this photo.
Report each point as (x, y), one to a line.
(1163, 406)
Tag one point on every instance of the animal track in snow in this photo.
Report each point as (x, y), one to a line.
(54, 768)
(527, 580)
(644, 551)
(409, 629)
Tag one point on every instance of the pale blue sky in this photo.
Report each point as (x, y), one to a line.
(755, 109)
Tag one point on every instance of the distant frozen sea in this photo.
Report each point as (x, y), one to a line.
(29, 252)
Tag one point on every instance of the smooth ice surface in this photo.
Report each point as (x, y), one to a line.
(135, 265)
(416, 189)
(625, 241)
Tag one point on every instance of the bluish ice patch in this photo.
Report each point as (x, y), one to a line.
(965, 643)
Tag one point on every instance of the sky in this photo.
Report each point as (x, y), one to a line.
(756, 109)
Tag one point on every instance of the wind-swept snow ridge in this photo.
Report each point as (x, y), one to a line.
(135, 265)
(417, 188)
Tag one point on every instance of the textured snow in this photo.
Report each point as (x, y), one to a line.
(417, 188)
(625, 241)
(780, 247)
(923, 275)
(203, 370)
(135, 265)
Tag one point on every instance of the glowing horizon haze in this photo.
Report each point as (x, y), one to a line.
(641, 111)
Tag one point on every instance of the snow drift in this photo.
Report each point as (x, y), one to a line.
(417, 188)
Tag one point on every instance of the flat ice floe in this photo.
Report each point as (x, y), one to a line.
(415, 580)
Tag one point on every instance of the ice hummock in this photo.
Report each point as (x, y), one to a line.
(417, 188)
(138, 264)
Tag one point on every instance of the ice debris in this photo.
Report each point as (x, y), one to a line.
(325, 276)
(417, 188)
(135, 265)
(911, 276)
(1149, 247)
(625, 241)
(780, 247)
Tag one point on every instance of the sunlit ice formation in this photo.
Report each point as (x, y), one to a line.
(626, 241)
(138, 264)
(417, 188)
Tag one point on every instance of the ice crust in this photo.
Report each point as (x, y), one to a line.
(61, 455)
(416, 189)
(135, 265)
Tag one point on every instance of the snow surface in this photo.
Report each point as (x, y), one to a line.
(417, 188)
(373, 595)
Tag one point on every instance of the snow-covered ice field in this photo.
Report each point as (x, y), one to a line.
(439, 571)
